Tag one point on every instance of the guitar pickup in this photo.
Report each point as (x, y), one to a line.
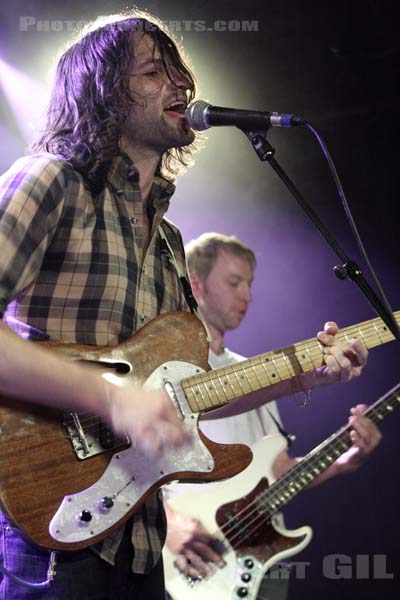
(169, 388)
(89, 436)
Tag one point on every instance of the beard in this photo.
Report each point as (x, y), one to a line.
(158, 133)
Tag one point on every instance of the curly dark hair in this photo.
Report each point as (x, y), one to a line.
(90, 100)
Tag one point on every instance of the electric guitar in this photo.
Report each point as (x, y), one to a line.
(67, 482)
(243, 525)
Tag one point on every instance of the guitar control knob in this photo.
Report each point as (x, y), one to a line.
(106, 504)
(246, 577)
(85, 516)
(249, 563)
(242, 592)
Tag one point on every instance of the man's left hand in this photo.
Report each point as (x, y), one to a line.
(343, 360)
(365, 437)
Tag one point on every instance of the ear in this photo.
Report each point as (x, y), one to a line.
(197, 285)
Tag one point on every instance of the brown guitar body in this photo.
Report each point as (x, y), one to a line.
(38, 466)
(41, 466)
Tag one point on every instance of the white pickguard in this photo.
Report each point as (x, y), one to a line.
(130, 473)
(225, 582)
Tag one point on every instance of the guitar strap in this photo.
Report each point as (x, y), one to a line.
(183, 280)
(290, 438)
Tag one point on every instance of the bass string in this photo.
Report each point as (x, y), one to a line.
(249, 519)
(257, 512)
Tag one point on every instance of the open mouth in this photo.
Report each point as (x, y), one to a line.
(176, 107)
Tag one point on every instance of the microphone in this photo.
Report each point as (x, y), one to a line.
(200, 115)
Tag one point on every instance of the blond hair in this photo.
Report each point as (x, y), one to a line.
(202, 252)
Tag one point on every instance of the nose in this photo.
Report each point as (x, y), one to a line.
(180, 81)
(245, 293)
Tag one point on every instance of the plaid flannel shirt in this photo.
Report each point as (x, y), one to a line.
(73, 265)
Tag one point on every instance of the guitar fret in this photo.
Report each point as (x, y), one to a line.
(270, 368)
(266, 371)
(286, 370)
(214, 388)
(248, 379)
(377, 331)
(218, 386)
(300, 360)
(202, 391)
(348, 332)
(204, 388)
(321, 348)
(287, 365)
(223, 382)
(211, 392)
(260, 382)
(228, 372)
(273, 375)
(240, 383)
(361, 335)
(200, 401)
(251, 515)
(263, 373)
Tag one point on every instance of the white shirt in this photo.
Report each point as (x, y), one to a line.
(246, 428)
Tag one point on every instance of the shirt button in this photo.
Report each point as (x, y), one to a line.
(134, 220)
(143, 318)
(133, 175)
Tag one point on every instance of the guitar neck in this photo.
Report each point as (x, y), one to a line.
(321, 458)
(215, 388)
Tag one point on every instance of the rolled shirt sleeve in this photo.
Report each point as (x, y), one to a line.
(31, 205)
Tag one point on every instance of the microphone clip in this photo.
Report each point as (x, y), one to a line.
(261, 145)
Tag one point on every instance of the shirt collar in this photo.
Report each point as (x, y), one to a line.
(123, 174)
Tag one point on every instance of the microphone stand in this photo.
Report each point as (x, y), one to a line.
(349, 268)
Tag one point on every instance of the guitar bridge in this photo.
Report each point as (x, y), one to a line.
(89, 436)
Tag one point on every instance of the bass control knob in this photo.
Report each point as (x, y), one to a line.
(85, 516)
(106, 503)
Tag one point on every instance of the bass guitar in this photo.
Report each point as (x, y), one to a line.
(240, 514)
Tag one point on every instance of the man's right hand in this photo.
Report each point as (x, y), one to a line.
(196, 550)
(147, 417)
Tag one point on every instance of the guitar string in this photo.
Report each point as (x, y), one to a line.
(268, 503)
(91, 422)
(257, 361)
(315, 352)
(236, 532)
(339, 442)
(246, 521)
(369, 335)
(314, 458)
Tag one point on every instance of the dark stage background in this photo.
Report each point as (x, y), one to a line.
(336, 64)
